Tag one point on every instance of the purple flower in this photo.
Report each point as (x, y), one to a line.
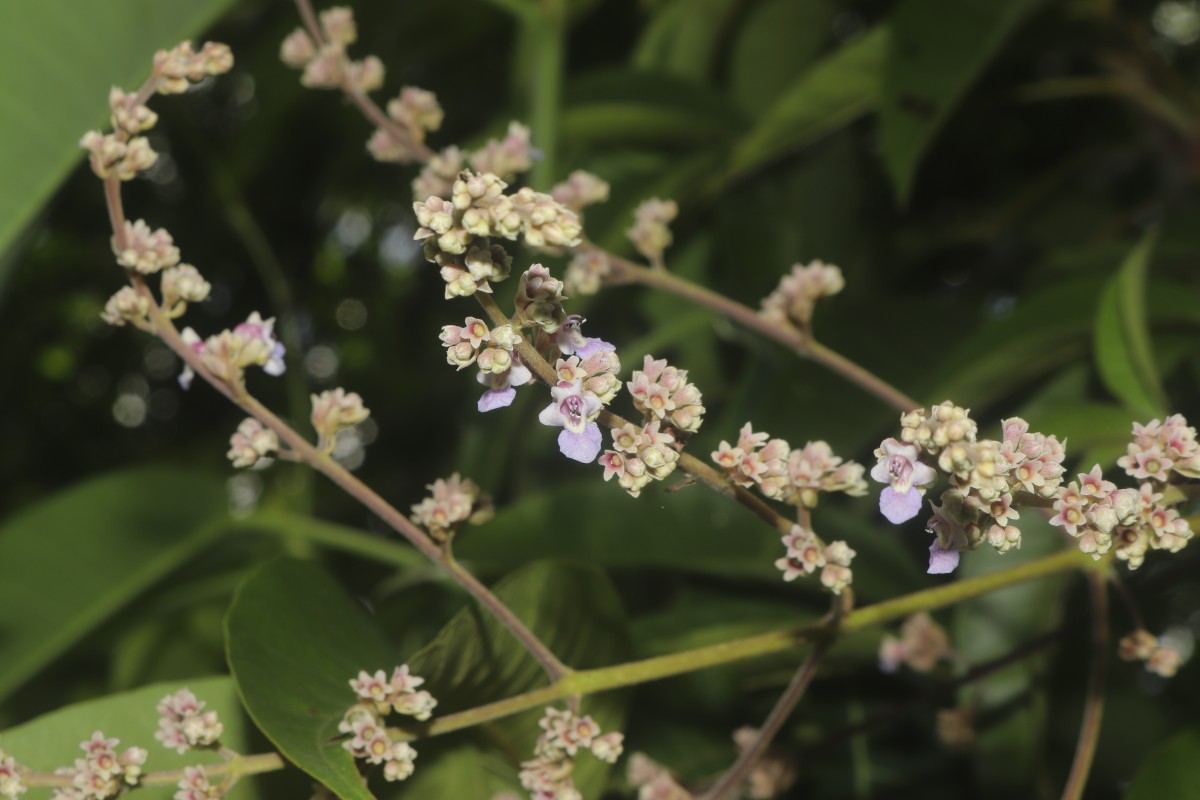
(572, 410)
(899, 467)
(942, 562)
(571, 341)
(500, 391)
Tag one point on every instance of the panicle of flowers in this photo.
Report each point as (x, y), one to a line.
(652, 780)
(1159, 654)
(640, 455)
(128, 305)
(333, 411)
(507, 157)
(144, 250)
(564, 734)
(114, 154)
(378, 696)
(806, 553)
(798, 292)
(813, 469)
(771, 775)
(324, 62)
(452, 501)
(579, 190)
(182, 284)
(102, 772)
(922, 644)
(650, 233)
(1160, 448)
(662, 392)
(437, 176)
(1100, 516)
(194, 785)
(416, 112)
(183, 723)
(500, 370)
(11, 785)
(227, 354)
(986, 478)
(586, 382)
(251, 442)
(176, 69)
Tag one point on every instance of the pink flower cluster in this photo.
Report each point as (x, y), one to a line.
(194, 785)
(579, 190)
(780, 473)
(416, 112)
(1099, 515)
(228, 353)
(11, 786)
(183, 723)
(1160, 655)
(176, 69)
(806, 554)
(492, 351)
(640, 456)
(652, 780)
(651, 234)
(1159, 448)
(539, 301)
(922, 644)
(452, 501)
(583, 388)
(251, 442)
(548, 775)
(662, 392)
(793, 301)
(333, 411)
(507, 157)
(325, 63)
(379, 695)
(101, 773)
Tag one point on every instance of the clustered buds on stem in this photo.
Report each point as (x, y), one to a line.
(564, 735)
(795, 477)
(251, 443)
(793, 301)
(806, 554)
(500, 370)
(1160, 655)
(102, 773)
(334, 411)
(452, 501)
(921, 646)
(183, 723)
(226, 355)
(379, 696)
(650, 233)
(325, 64)
(662, 393)
(11, 785)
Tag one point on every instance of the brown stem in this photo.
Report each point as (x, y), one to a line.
(784, 333)
(1093, 709)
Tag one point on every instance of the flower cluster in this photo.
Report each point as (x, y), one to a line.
(194, 785)
(333, 411)
(793, 300)
(579, 190)
(227, 354)
(1159, 448)
(251, 442)
(771, 775)
(101, 773)
(806, 554)
(662, 393)
(985, 477)
(492, 350)
(548, 775)
(1098, 516)
(183, 723)
(922, 644)
(507, 157)
(452, 502)
(11, 786)
(587, 270)
(652, 780)
(539, 303)
(415, 113)
(780, 473)
(640, 455)
(478, 209)
(1158, 653)
(325, 63)
(378, 696)
(176, 69)
(650, 233)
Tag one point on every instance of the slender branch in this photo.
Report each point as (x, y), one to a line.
(236, 767)
(1093, 709)
(786, 334)
(784, 706)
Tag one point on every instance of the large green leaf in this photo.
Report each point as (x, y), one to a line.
(835, 92)
(684, 37)
(71, 561)
(779, 39)
(1171, 770)
(58, 60)
(52, 740)
(1122, 335)
(294, 639)
(938, 48)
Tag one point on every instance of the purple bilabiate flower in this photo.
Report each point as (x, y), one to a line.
(501, 389)
(255, 327)
(941, 561)
(899, 467)
(571, 341)
(572, 410)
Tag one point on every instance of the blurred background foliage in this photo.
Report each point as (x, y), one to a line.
(1008, 185)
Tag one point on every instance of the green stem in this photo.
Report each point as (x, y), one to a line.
(235, 768)
(547, 31)
(786, 334)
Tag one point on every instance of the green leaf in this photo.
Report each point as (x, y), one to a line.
(1171, 770)
(1122, 335)
(836, 91)
(294, 639)
(52, 740)
(937, 50)
(464, 771)
(779, 39)
(71, 561)
(683, 38)
(58, 61)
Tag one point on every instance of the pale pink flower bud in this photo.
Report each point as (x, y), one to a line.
(181, 285)
(145, 250)
(338, 24)
(325, 70)
(608, 747)
(650, 233)
(184, 724)
(127, 114)
(127, 305)
(335, 410)
(580, 189)
(251, 442)
(507, 158)
(798, 292)
(364, 76)
(297, 49)
(451, 502)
